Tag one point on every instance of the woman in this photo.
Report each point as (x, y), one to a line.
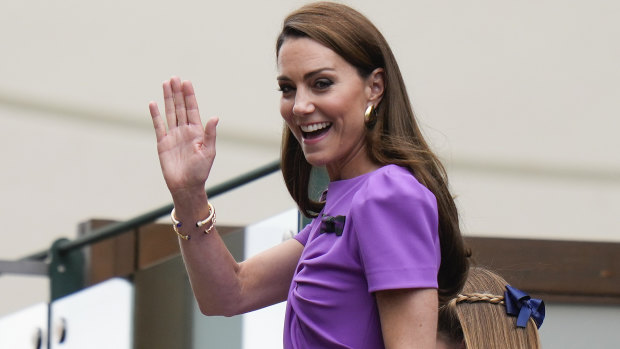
(384, 245)
(486, 315)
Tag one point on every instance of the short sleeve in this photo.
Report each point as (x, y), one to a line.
(303, 235)
(396, 223)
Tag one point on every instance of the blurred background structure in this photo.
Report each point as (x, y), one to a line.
(521, 100)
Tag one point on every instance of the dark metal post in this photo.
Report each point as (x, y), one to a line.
(66, 270)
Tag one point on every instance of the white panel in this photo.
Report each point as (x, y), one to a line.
(263, 328)
(572, 326)
(26, 329)
(99, 317)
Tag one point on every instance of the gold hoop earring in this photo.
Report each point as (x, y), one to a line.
(368, 114)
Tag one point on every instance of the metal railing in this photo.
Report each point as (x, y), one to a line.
(63, 262)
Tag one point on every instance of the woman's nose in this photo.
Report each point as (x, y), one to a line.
(303, 103)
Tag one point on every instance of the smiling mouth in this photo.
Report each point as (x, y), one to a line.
(315, 130)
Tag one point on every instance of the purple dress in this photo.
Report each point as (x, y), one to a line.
(376, 232)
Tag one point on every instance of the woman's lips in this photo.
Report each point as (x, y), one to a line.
(314, 131)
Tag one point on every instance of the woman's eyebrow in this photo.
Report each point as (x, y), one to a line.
(307, 75)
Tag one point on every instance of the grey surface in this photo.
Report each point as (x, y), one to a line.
(573, 326)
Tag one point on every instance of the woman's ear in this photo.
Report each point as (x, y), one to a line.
(376, 85)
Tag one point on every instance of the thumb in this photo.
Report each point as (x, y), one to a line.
(209, 135)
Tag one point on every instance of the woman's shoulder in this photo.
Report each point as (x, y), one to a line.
(392, 170)
(391, 180)
(392, 185)
(393, 196)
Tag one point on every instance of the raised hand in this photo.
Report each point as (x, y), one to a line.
(186, 150)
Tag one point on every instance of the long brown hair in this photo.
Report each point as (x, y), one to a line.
(393, 139)
(482, 323)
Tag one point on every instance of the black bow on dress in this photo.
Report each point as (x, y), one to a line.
(331, 224)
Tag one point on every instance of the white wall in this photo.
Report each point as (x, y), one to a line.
(519, 98)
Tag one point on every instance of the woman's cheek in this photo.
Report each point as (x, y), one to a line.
(286, 109)
(294, 130)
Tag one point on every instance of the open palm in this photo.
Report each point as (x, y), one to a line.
(186, 150)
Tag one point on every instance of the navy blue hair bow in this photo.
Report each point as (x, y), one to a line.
(331, 224)
(520, 304)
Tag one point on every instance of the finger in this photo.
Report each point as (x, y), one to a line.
(171, 116)
(191, 105)
(158, 122)
(209, 135)
(179, 101)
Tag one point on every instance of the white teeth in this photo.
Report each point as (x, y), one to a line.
(314, 127)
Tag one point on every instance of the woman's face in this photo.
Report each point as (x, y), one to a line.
(323, 103)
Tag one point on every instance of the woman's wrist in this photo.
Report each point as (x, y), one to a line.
(191, 204)
(207, 224)
(188, 215)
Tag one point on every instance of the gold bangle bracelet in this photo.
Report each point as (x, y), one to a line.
(208, 219)
(176, 224)
(208, 230)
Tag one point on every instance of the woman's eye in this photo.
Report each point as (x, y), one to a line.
(285, 89)
(322, 84)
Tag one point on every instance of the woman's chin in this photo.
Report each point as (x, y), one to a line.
(316, 161)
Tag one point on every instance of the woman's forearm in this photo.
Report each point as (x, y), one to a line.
(220, 284)
(212, 270)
